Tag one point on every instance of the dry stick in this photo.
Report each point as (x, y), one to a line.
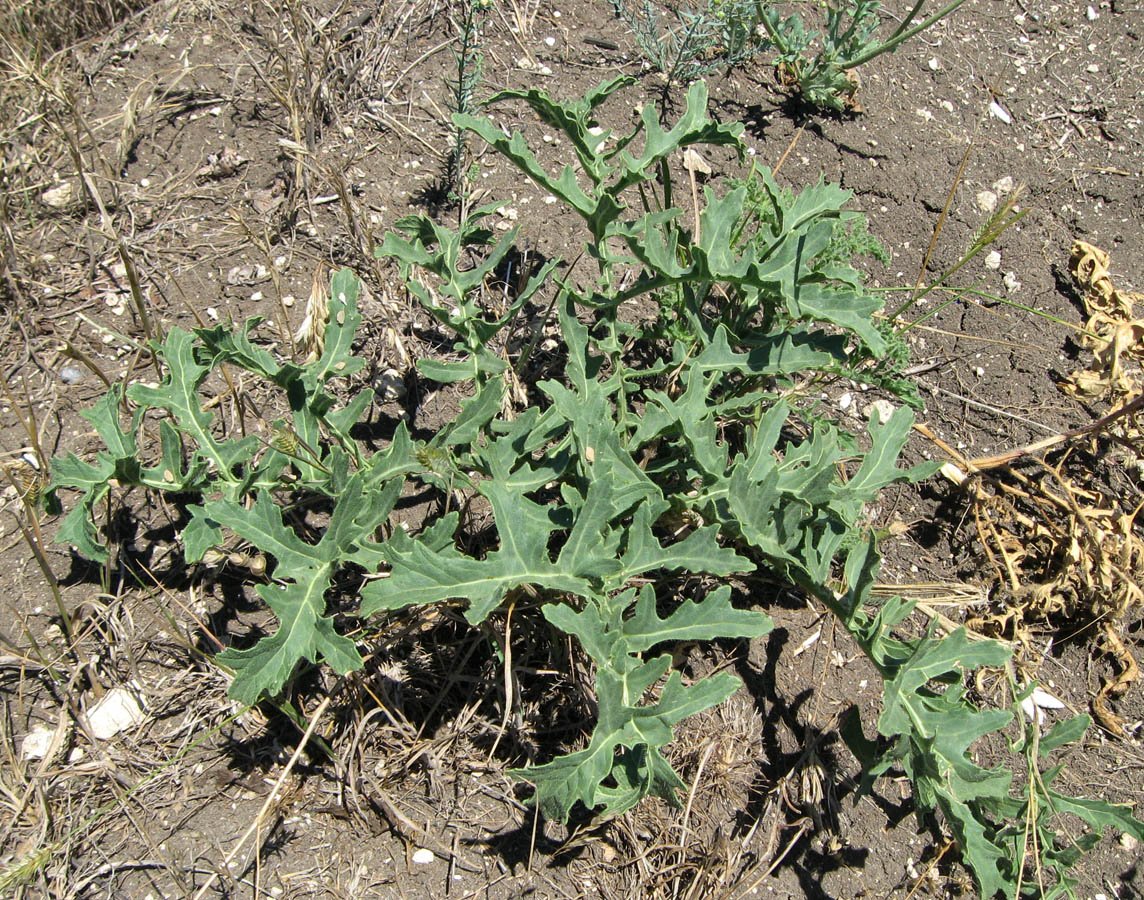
(683, 828)
(921, 878)
(937, 229)
(988, 462)
(508, 679)
(997, 411)
(803, 825)
(257, 823)
(790, 147)
(112, 234)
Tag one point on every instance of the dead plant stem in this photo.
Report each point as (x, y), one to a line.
(273, 796)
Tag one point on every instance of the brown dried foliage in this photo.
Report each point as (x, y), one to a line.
(1060, 550)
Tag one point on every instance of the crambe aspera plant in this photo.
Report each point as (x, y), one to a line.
(726, 33)
(626, 497)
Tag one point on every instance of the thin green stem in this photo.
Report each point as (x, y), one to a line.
(900, 37)
(910, 16)
(773, 34)
(974, 251)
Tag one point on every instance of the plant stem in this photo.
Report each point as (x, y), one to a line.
(900, 36)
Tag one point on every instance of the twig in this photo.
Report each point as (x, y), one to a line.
(790, 147)
(993, 409)
(941, 221)
(257, 823)
(989, 462)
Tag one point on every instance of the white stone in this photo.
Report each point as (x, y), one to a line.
(986, 201)
(1012, 285)
(550, 41)
(845, 401)
(423, 857)
(37, 742)
(59, 196)
(999, 112)
(993, 260)
(880, 411)
(1003, 185)
(389, 385)
(115, 711)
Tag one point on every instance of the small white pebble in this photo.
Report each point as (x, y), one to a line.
(212, 313)
(934, 64)
(423, 857)
(288, 301)
(993, 260)
(979, 372)
(879, 411)
(998, 112)
(1091, 14)
(550, 41)
(256, 296)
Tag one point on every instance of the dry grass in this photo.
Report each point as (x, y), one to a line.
(42, 28)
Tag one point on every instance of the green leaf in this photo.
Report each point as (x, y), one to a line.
(262, 526)
(1067, 732)
(1099, 814)
(938, 731)
(420, 575)
(200, 535)
(693, 127)
(341, 328)
(579, 777)
(236, 348)
(476, 413)
(712, 617)
(839, 306)
(78, 528)
(303, 633)
(879, 464)
(104, 415)
(932, 660)
(178, 394)
(575, 120)
(447, 372)
(698, 552)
